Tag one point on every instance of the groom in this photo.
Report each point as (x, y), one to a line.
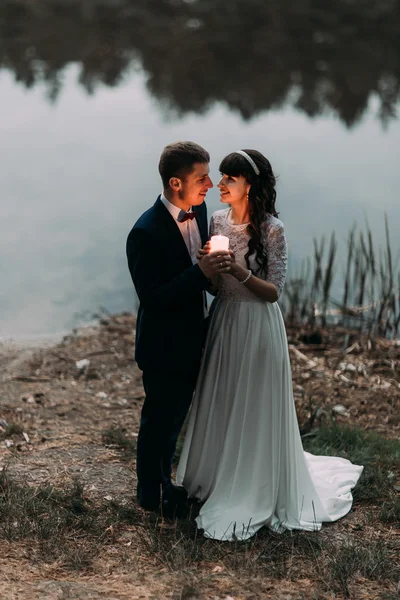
(171, 322)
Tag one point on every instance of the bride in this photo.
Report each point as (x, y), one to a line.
(243, 456)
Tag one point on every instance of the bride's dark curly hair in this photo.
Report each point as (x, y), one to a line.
(262, 196)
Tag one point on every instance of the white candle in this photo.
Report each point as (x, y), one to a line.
(219, 242)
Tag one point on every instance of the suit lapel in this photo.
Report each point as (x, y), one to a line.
(201, 220)
(172, 231)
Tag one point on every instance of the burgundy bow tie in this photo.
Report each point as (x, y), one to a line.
(184, 216)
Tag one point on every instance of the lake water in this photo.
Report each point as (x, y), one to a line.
(90, 96)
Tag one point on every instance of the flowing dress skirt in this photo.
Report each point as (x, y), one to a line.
(243, 455)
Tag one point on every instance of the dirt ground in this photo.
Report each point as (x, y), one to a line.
(64, 396)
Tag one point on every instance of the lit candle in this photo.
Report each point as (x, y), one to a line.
(219, 242)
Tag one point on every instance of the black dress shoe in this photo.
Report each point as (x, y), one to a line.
(172, 509)
(175, 491)
(174, 502)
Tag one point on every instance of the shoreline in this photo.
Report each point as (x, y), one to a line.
(47, 340)
(336, 371)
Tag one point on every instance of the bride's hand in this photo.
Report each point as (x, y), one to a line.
(234, 265)
(203, 251)
(237, 270)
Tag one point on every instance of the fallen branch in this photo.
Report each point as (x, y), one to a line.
(27, 378)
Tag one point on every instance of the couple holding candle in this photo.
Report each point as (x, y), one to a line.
(242, 457)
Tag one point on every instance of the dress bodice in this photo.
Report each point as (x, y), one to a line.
(273, 238)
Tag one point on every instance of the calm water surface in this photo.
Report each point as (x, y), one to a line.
(83, 124)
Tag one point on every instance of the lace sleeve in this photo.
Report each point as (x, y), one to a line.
(277, 254)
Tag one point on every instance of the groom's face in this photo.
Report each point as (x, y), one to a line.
(195, 185)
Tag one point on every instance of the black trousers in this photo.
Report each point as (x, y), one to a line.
(167, 401)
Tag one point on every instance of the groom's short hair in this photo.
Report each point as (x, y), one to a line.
(177, 160)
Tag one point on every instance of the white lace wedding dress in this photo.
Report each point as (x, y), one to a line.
(243, 454)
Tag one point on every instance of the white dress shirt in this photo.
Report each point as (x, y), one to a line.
(189, 229)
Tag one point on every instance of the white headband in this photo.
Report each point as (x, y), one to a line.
(250, 160)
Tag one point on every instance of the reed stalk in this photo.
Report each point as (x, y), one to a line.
(370, 300)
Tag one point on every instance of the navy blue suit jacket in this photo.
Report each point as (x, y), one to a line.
(170, 327)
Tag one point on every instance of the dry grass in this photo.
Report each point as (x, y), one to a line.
(68, 514)
(66, 526)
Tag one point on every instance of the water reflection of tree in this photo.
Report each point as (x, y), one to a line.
(253, 56)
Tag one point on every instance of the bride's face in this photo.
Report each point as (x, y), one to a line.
(233, 190)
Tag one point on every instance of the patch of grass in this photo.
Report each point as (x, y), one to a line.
(188, 592)
(71, 499)
(389, 595)
(129, 514)
(10, 430)
(353, 443)
(116, 437)
(348, 561)
(181, 547)
(79, 558)
(62, 524)
(58, 524)
(377, 454)
(374, 485)
(380, 457)
(177, 546)
(390, 511)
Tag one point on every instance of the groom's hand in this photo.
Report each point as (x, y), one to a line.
(215, 263)
(203, 251)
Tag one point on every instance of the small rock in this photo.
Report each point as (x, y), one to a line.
(339, 409)
(82, 364)
(9, 443)
(35, 398)
(344, 378)
(385, 385)
(102, 395)
(355, 346)
(318, 373)
(347, 367)
(217, 569)
(29, 399)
